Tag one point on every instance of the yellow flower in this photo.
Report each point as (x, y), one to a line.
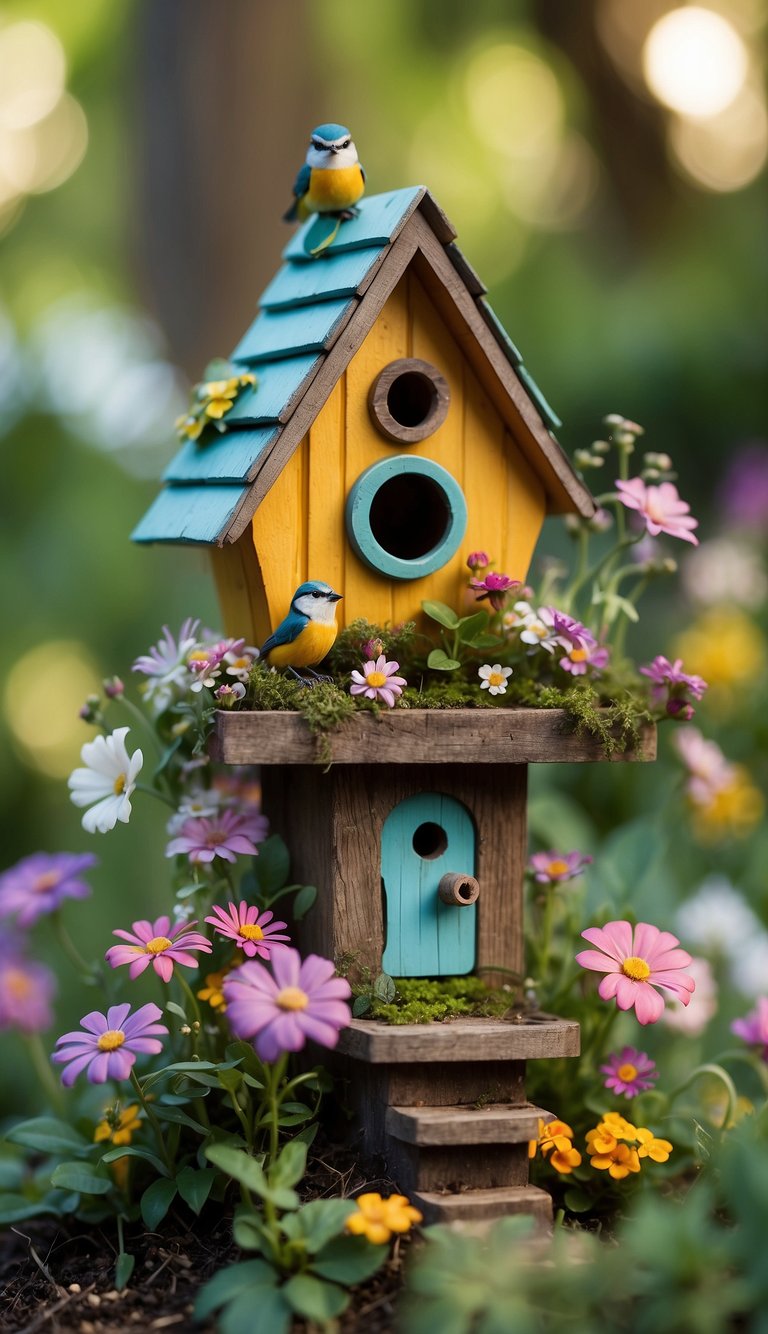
(650, 1147)
(189, 426)
(212, 992)
(725, 647)
(378, 1218)
(620, 1127)
(555, 1138)
(619, 1161)
(731, 810)
(118, 1126)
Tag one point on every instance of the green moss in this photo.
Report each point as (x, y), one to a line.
(397, 641)
(420, 1000)
(451, 693)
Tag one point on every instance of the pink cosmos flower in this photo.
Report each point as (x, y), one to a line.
(376, 681)
(554, 868)
(572, 633)
(661, 507)
(228, 834)
(205, 662)
(110, 1044)
(26, 992)
(154, 943)
(165, 665)
(672, 686)
(494, 587)
(635, 963)
(629, 1072)
(253, 932)
(280, 1010)
(709, 772)
(577, 660)
(753, 1028)
(40, 884)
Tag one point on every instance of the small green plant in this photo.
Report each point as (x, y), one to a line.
(463, 637)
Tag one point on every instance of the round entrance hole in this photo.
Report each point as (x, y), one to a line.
(409, 515)
(409, 400)
(429, 840)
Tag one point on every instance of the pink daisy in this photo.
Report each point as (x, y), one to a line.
(635, 963)
(227, 835)
(554, 868)
(110, 1044)
(494, 587)
(252, 932)
(280, 1010)
(661, 507)
(377, 681)
(753, 1028)
(151, 943)
(629, 1072)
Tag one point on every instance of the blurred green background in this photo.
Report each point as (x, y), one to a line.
(602, 162)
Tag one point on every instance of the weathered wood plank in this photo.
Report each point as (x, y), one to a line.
(296, 330)
(418, 736)
(460, 1040)
(341, 275)
(380, 219)
(280, 384)
(483, 1206)
(495, 1123)
(228, 457)
(189, 514)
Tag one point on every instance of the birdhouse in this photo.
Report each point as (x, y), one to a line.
(392, 427)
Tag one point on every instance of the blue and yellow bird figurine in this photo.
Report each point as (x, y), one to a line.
(306, 635)
(332, 179)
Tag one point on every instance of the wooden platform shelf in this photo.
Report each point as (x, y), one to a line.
(417, 736)
(541, 1036)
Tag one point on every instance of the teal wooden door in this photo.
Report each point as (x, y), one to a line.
(423, 838)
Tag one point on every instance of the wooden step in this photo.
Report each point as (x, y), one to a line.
(535, 1037)
(485, 1206)
(495, 1123)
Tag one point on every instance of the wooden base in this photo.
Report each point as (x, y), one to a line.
(417, 736)
(485, 1206)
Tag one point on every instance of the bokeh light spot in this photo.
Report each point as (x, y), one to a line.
(33, 64)
(726, 152)
(694, 61)
(43, 694)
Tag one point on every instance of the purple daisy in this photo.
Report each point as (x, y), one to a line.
(629, 1072)
(554, 868)
(154, 943)
(671, 686)
(573, 634)
(40, 883)
(753, 1027)
(577, 660)
(302, 1000)
(26, 992)
(109, 1046)
(376, 680)
(494, 587)
(253, 932)
(228, 834)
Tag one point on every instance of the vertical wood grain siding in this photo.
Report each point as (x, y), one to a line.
(298, 531)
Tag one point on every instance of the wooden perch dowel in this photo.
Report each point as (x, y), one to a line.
(460, 890)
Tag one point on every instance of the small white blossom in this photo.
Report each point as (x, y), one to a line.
(106, 783)
(494, 678)
(717, 918)
(538, 629)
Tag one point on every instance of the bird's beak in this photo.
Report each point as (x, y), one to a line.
(335, 597)
(334, 151)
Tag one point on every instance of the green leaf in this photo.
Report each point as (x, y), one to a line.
(578, 1201)
(184, 1067)
(384, 988)
(469, 626)
(112, 1156)
(80, 1177)
(230, 1283)
(123, 1269)
(360, 1006)
(267, 1304)
(249, 1231)
(349, 1260)
(318, 1222)
(230, 1079)
(238, 1165)
(194, 1186)
(49, 1135)
(173, 1008)
(308, 1134)
(156, 1201)
(176, 1117)
(484, 642)
(314, 1299)
(438, 611)
(272, 865)
(290, 1166)
(440, 662)
(14, 1208)
(305, 899)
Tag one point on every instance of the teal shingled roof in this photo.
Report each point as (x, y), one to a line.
(301, 314)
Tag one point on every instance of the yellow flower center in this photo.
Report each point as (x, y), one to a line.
(111, 1040)
(376, 679)
(251, 932)
(292, 998)
(157, 944)
(198, 655)
(627, 1072)
(635, 968)
(496, 679)
(578, 654)
(18, 984)
(48, 880)
(557, 867)
(538, 629)
(119, 785)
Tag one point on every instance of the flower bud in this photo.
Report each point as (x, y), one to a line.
(90, 711)
(113, 687)
(681, 709)
(477, 560)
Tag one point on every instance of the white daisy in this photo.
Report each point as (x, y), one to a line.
(200, 803)
(107, 781)
(494, 678)
(538, 629)
(514, 617)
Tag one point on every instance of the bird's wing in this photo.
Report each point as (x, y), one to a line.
(301, 184)
(285, 633)
(362, 171)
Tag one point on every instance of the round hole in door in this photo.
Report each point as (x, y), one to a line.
(429, 840)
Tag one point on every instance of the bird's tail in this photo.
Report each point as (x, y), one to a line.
(291, 214)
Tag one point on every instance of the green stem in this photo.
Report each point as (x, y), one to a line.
(154, 792)
(142, 721)
(717, 1072)
(153, 1121)
(42, 1067)
(90, 972)
(595, 569)
(190, 995)
(243, 1119)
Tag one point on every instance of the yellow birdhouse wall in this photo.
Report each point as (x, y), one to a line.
(298, 531)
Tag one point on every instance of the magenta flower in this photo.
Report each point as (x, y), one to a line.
(635, 963)
(629, 1072)
(554, 868)
(253, 932)
(40, 883)
(228, 835)
(154, 943)
(661, 507)
(745, 488)
(672, 686)
(577, 660)
(753, 1028)
(109, 1046)
(478, 560)
(26, 992)
(376, 680)
(494, 587)
(302, 1000)
(572, 633)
